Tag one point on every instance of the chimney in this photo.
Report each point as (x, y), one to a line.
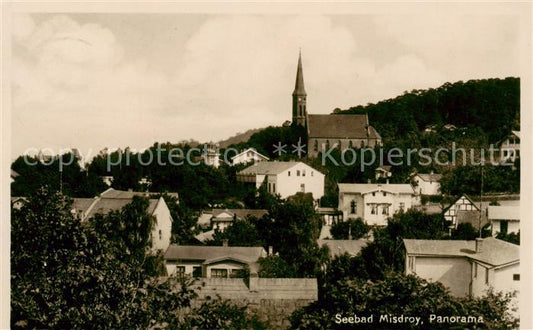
(479, 245)
(270, 250)
(225, 242)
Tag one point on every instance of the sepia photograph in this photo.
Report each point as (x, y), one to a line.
(286, 165)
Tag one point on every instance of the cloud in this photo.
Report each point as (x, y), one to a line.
(78, 84)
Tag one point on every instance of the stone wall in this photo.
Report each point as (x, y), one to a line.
(272, 299)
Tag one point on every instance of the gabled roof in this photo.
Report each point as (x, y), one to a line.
(339, 247)
(250, 150)
(241, 214)
(504, 212)
(476, 205)
(272, 167)
(384, 168)
(206, 253)
(430, 177)
(112, 193)
(92, 206)
(365, 188)
(494, 252)
(516, 133)
(341, 126)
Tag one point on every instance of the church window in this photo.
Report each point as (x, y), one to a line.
(339, 144)
(327, 144)
(316, 145)
(362, 143)
(350, 144)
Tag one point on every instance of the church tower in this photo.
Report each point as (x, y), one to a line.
(299, 96)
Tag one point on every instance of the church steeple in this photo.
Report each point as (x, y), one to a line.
(299, 96)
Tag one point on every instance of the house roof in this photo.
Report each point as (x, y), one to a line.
(516, 133)
(429, 208)
(241, 214)
(250, 150)
(364, 188)
(494, 252)
(504, 212)
(106, 205)
(272, 167)
(205, 236)
(112, 193)
(430, 177)
(339, 247)
(341, 126)
(384, 168)
(207, 253)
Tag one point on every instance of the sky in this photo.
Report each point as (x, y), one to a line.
(98, 80)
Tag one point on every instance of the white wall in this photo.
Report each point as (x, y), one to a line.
(163, 224)
(454, 273)
(290, 184)
(427, 188)
(512, 227)
(503, 279)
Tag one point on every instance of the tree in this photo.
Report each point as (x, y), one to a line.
(221, 314)
(395, 295)
(351, 229)
(465, 231)
(510, 237)
(66, 274)
(239, 233)
(275, 267)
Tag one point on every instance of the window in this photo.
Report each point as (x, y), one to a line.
(273, 187)
(316, 145)
(373, 194)
(353, 207)
(312, 173)
(339, 144)
(384, 194)
(402, 206)
(350, 144)
(475, 270)
(327, 144)
(160, 234)
(516, 277)
(385, 210)
(504, 226)
(303, 172)
(197, 271)
(298, 173)
(289, 173)
(374, 209)
(486, 276)
(412, 263)
(220, 273)
(302, 187)
(180, 271)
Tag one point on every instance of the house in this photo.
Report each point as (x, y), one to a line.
(223, 218)
(343, 131)
(374, 202)
(504, 219)
(329, 215)
(383, 172)
(115, 200)
(465, 267)
(284, 178)
(212, 261)
(463, 203)
(510, 147)
(427, 183)
(339, 247)
(248, 155)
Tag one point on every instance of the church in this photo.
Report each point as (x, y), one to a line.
(344, 131)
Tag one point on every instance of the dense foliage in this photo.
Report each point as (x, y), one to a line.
(396, 295)
(351, 229)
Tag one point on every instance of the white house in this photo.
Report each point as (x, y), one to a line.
(374, 202)
(504, 219)
(284, 178)
(115, 200)
(212, 261)
(248, 155)
(427, 184)
(510, 147)
(465, 267)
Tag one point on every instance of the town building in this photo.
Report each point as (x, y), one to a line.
(115, 200)
(374, 202)
(504, 219)
(510, 147)
(222, 218)
(342, 131)
(247, 156)
(427, 183)
(383, 172)
(463, 203)
(465, 267)
(284, 178)
(212, 261)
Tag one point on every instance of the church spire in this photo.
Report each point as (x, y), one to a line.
(299, 88)
(299, 96)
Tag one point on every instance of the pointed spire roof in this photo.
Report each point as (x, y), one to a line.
(299, 88)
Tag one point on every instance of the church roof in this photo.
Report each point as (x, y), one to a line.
(299, 88)
(341, 126)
